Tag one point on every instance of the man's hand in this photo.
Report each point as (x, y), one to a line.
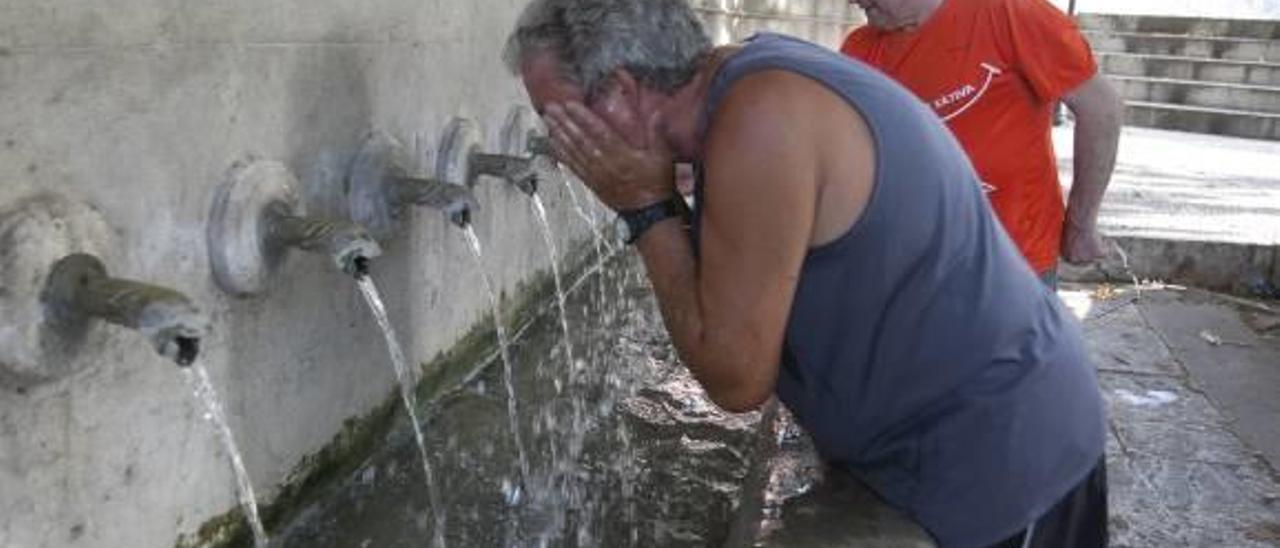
(1081, 245)
(622, 176)
(1099, 112)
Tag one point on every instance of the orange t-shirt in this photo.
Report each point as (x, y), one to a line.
(992, 70)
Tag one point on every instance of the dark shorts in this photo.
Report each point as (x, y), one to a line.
(1079, 520)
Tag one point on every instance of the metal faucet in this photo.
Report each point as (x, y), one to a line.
(519, 171)
(455, 201)
(380, 189)
(258, 217)
(79, 290)
(348, 244)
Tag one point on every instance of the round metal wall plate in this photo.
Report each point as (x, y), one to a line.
(370, 184)
(35, 233)
(521, 124)
(243, 261)
(462, 138)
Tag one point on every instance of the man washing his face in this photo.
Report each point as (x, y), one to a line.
(842, 255)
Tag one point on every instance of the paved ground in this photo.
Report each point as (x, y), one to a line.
(1187, 186)
(1191, 380)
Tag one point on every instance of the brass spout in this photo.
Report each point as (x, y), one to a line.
(381, 188)
(79, 290)
(348, 244)
(521, 172)
(456, 201)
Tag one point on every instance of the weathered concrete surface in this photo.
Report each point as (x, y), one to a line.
(1183, 456)
(1195, 209)
(1189, 68)
(1235, 9)
(140, 108)
(1195, 74)
(1241, 371)
(1256, 98)
(822, 21)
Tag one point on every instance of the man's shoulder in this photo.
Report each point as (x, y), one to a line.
(766, 100)
(771, 90)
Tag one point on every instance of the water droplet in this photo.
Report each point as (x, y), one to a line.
(512, 493)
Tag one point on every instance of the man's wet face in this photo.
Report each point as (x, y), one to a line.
(546, 83)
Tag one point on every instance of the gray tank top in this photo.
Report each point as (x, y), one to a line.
(922, 353)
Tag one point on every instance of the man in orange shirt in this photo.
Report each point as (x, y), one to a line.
(993, 70)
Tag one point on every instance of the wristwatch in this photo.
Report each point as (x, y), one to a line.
(632, 223)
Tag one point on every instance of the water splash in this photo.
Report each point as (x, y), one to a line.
(203, 389)
(405, 378)
(549, 238)
(566, 462)
(514, 493)
(601, 243)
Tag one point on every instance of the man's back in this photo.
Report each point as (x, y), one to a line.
(921, 352)
(992, 70)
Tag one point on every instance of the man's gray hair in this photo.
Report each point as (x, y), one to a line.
(660, 42)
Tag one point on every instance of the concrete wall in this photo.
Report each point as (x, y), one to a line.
(139, 108)
(1221, 9)
(823, 21)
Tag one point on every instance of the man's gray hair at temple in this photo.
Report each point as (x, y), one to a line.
(658, 41)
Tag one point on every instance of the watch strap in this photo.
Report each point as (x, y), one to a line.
(641, 220)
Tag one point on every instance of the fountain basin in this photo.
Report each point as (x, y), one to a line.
(624, 449)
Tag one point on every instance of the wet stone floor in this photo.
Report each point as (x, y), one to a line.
(624, 449)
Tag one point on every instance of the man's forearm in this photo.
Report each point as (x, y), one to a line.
(1097, 137)
(673, 272)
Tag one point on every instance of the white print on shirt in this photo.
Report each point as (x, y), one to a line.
(968, 93)
(987, 188)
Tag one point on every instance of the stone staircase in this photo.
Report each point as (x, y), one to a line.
(1217, 76)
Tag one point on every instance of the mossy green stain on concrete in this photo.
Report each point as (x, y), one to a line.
(223, 530)
(339, 458)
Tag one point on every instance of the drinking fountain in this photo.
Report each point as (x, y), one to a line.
(381, 188)
(79, 291)
(522, 135)
(258, 217)
(514, 164)
(57, 296)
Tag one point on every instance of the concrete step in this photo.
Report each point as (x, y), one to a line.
(1199, 94)
(1190, 68)
(1189, 26)
(1214, 121)
(1238, 49)
(1213, 201)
